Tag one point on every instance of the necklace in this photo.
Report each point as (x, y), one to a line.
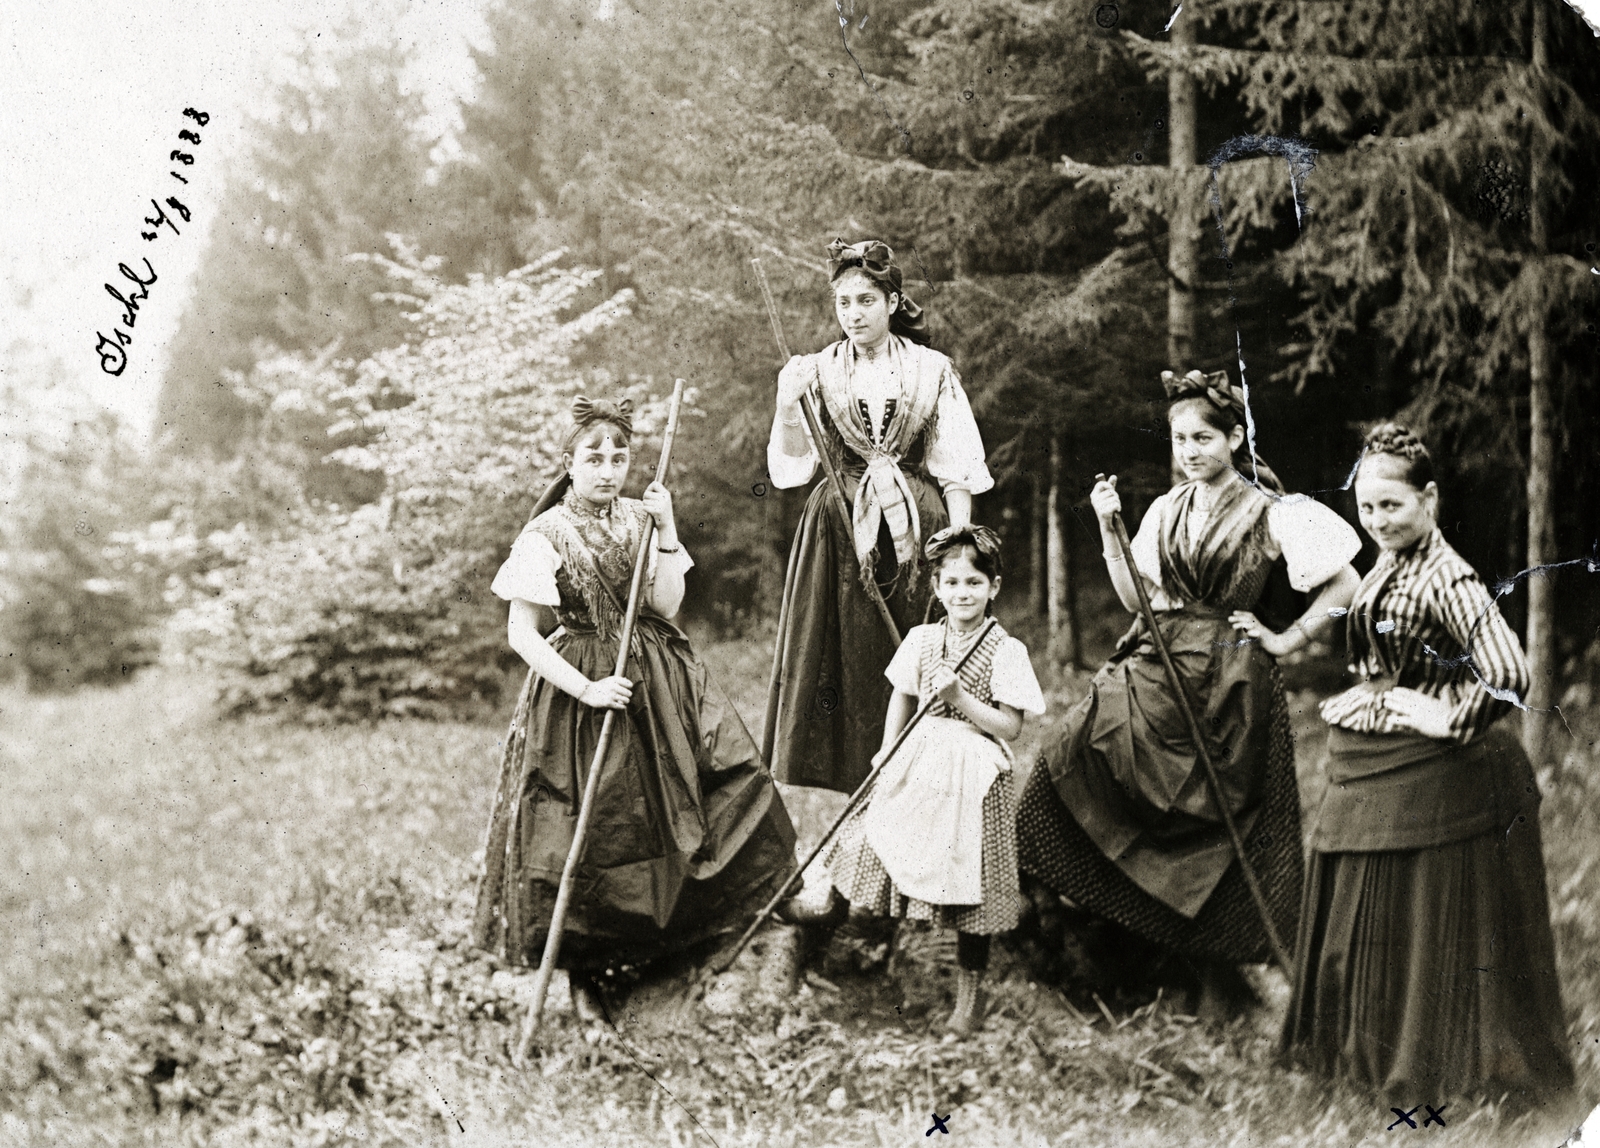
(581, 507)
(964, 639)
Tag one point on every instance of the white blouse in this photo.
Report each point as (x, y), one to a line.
(529, 574)
(954, 455)
(1314, 541)
(1011, 676)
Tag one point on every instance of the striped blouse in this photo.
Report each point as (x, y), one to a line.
(1423, 620)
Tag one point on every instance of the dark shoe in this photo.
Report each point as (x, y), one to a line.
(586, 1000)
(1224, 993)
(830, 916)
(968, 1015)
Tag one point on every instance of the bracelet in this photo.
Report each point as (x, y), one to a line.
(1117, 557)
(787, 423)
(669, 550)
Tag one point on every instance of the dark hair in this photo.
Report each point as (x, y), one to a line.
(948, 544)
(875, 260)
(1415, 464)
(1220, 406)
(598, 414)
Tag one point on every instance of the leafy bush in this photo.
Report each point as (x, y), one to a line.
(336, 612)
(75, 608)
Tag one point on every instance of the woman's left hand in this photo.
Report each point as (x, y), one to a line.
(1251, 627)
(946, 686)
(658, 503)
(1419, 712)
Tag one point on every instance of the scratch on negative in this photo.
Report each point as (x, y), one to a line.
(1176, 12)
(1590, 565)
(844, 25)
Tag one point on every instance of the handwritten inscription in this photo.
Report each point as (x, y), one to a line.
(938, 1125)
(112, 348)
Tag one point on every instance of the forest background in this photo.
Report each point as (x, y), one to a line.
(1367, 209)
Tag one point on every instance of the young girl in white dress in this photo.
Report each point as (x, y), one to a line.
(937, 839)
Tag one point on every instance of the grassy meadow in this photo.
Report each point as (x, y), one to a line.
(229, 933)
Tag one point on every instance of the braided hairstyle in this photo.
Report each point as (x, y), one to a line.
(1412, 463)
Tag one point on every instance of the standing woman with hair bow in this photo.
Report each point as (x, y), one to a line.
(1426, 967)
(896, 422)
(690, 837)
(1118, 816)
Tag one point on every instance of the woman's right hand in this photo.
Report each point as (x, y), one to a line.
(607, 694)
(1105, 500)
(793, 380)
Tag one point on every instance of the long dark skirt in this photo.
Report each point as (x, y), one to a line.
(1104, 767)
(1430, 973)
(688, 838)
(834, 646)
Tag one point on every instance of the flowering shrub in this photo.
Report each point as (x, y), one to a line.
(383, 609)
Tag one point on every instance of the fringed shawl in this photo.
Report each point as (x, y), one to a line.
(882, 495)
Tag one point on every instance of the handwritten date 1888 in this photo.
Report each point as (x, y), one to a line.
(113, 358)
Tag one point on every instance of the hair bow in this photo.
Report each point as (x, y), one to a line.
(1215, 387)
(873, 256)
(587, 412)
(876, 259)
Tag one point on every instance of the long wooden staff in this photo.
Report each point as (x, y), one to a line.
(841, 504)
(849, 808)
(580, 833)
(1212, 779)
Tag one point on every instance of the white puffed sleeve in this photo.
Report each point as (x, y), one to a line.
(1316, 542)
(1147, 543)
(905, 668)
(1012, 680)
(530, 573)
(786, 471)
(676, 560)
(955, 455)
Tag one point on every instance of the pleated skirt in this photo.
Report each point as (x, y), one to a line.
(1430, 973)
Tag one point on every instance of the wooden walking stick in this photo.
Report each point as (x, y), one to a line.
(850, 806)
(580, 834)
(1213, 781)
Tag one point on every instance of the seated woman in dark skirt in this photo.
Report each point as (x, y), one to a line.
(1117, 815)
(689, 837)
(1425, 967)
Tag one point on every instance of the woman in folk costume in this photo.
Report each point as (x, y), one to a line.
(1118, 816)
(896, 421)
(689, 836)
(937, 839)
(1425, 967)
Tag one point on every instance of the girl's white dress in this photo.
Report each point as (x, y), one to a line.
(936, 838)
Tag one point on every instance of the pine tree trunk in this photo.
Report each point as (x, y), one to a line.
(1038, 598)
(1541, 637)
(1183, 232)
(1063, 626)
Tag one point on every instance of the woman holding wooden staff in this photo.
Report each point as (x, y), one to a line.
(1119, 816)
(897, 426)
(688, 835)
(1426, 967)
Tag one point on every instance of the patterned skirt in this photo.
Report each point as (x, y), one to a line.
(1055, 848)
(861, 877)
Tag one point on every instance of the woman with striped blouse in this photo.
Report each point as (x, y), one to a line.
(1425, 966)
